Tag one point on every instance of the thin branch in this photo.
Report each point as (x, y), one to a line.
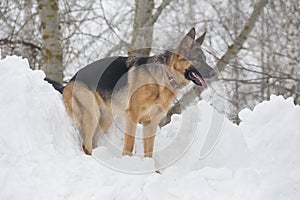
(8, 41)
(109, 25)
(158, 12)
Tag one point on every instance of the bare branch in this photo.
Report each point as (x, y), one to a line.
(233, 49)
(13, 42)
(231, 52)
(158, 12)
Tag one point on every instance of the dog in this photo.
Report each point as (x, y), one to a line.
(140, 89)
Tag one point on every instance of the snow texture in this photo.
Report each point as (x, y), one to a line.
(40, 155)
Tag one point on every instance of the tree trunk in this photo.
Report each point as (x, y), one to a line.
(236, 99)
(51, 35)
(141, 35)
(144, 20)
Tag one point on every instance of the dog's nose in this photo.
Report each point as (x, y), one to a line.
(212, 73)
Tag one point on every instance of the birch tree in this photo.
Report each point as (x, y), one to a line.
(51, 37)
(255, 46)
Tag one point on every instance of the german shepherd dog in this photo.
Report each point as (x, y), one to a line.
(140, 89)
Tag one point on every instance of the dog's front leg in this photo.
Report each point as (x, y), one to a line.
(129, 137)
(149, 131)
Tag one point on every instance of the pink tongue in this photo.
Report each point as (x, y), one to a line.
(202, 83)
(200, 80)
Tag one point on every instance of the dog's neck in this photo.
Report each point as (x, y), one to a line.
(173, 82)
(170, 77)
(161, 59)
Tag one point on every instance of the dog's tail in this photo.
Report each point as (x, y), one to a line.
(59, 87)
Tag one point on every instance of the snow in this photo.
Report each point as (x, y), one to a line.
(200, 154)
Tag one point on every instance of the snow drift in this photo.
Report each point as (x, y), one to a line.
(40, 156)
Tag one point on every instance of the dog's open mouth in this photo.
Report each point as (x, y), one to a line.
(195, 76)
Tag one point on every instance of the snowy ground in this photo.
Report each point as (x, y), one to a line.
(40, 156)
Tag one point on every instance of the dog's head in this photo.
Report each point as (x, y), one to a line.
(190, 60)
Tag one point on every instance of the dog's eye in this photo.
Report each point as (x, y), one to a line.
(195, 58)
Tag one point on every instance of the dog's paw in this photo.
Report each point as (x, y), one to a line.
(127, 153)
(86, 150)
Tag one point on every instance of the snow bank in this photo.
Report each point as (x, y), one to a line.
(40, 156)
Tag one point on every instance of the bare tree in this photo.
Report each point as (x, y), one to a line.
(228, 56)
(144, 20)
(17, 35)
(141, 36)
(253, 44)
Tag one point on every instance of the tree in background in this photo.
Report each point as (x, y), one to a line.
(18, 34)
(254, 44)
(51, 39)
(144, 19)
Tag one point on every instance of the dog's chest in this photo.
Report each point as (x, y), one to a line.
(151, 103)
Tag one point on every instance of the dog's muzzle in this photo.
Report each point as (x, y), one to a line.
(194, 75)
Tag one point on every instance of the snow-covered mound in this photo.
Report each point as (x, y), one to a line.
(40, 156)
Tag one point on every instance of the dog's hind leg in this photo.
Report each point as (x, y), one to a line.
(96, 137)
(83, 107)
(104, 124)
(90, 122)
(105, 121)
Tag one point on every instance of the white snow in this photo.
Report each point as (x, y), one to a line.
(40, 155)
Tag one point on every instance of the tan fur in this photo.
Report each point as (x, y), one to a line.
(145, 99)
(87, 110)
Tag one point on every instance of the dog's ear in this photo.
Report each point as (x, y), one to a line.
(187, 41)
(200, 39)
(191, 33)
